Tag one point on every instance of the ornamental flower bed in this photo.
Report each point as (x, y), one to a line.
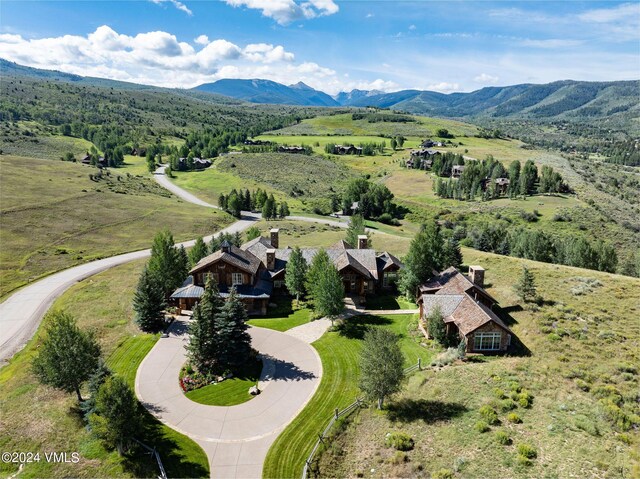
(190, 379)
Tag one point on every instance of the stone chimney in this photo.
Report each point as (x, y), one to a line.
(476, 275)
(275, 238)
(271, 259)
(225, 247)
(363, 241)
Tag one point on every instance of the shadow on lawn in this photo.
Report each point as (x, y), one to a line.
(141, 464)
(286, 371)
(410, 410)
(354, 327)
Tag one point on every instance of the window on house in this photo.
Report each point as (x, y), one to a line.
(278, 284)
(487, 341)
(389, 278)
(236, 278)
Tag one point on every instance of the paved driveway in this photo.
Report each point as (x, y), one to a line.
(235, 438)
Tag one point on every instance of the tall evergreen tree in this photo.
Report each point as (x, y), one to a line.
(525, 288)
(425, 256)
(296, 273)
(234, 342)
(167, 263)
(68, 355)
(203, 348)
(381, 365)
(452, 254)
(198, 251)
(149, 302)
(356, 228)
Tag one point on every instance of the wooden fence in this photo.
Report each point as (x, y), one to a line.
(337, 415)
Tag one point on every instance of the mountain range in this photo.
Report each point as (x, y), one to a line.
(617, 101)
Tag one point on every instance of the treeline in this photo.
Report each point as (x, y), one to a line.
(540, 246)
(374, 201)
(382, 117)
(622, 152)
(485, 179)
(258, 200)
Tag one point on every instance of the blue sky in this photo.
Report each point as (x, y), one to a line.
(333, 46)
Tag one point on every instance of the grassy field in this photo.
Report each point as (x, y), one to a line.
(53, 217)
(584, 343)
(29, 138)
(230, 391)
(339, 352)
(283, 317)
(344, 125)
(38, 418)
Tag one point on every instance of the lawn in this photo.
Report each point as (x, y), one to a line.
(583, 340)
(283, 317)
(38, 418)
(389, 302)
(54, 216)
(230, 391)
(339, 352)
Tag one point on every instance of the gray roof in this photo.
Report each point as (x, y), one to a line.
(447, 302)
(189, 291)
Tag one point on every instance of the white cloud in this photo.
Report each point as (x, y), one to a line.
(620, 13)
(159, 58)
(444, 87)
(179, 5)
(551, 43)
(286, 11)
(412, 27)
(369, 15)
(486, 79)
(201, 40)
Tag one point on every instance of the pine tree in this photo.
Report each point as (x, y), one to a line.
(234, 342)
(283, 211)
(97, 378)
(425, 256)
(295, 273)
(356, 228)
(203, 348)
(452, 254)
(168, 263)
(149, 302)
(68, 356)
(198, 251)
(381, 365)
(525, 288)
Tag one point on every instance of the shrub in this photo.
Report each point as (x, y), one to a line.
(481, 426)
(524, 461)
(447, 357)
(525, 399)
(582, 384)
(399, 441)
(588, 426)
(503, 438)
(514, 418)
(398, 458)
(527, 450)
(443, 474)
(507, 405)
(499, 393)
(488, 413)
(459, 463)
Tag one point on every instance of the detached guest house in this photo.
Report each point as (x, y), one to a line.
(466, 309)
(257, 270)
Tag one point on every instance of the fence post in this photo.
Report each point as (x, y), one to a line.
(419, 364)
(337, 413)
(321, 438)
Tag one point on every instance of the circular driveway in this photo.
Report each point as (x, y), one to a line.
(235, 438)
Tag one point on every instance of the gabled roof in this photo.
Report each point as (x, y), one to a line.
(237, 257)
(452, 281)
(342, 244)
(258, 247)
(386, 260)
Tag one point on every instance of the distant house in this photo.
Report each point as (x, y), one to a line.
(456, 171)
(250, 142)
(348, 150)
(430, 143)
(502, 185)
(86, 159)
(466, 310)
(198, 163)
(257, 271)
(291, 149)
(102, 162)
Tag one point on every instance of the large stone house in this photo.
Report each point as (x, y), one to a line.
(257, 271)
(466, 308)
